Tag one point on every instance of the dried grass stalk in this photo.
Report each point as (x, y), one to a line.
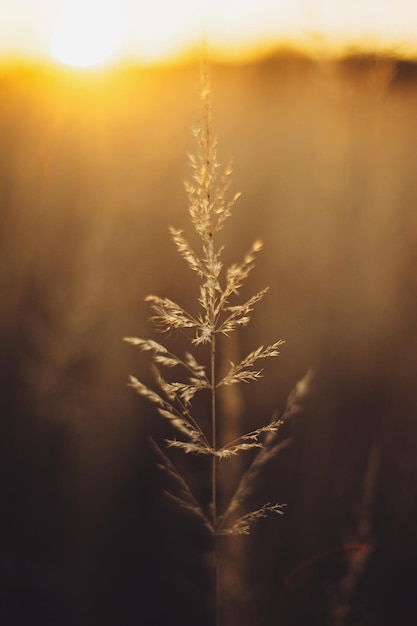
(220, 313)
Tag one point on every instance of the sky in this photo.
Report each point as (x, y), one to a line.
(157, 30)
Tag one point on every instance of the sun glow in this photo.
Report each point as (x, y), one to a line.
(87, 33)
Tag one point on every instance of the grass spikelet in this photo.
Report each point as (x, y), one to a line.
(184, 497)
(271, 448)
(242, 525)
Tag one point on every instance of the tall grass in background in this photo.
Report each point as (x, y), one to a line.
(218, 316)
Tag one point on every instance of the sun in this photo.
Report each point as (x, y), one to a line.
(87, 32)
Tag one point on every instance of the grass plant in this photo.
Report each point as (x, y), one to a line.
(219, 315)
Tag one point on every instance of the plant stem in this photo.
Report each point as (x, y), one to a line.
(217, 579)
(214, 479)
(213, 430)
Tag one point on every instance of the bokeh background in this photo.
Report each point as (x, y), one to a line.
(91, 176)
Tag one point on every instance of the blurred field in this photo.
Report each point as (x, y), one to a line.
(91, 176)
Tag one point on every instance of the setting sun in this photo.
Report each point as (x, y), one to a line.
(86, 34)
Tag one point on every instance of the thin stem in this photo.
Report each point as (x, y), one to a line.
(217, 581)
(214, 478)
(213, 429)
